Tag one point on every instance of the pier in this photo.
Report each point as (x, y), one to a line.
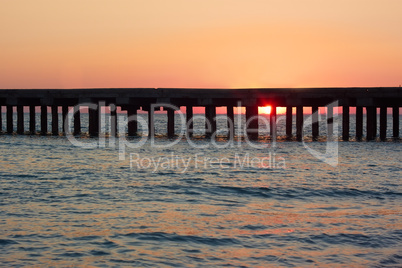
(371, 100)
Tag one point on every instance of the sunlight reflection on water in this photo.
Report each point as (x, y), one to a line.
(63, 205)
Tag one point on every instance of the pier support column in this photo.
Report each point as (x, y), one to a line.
(64, 112)
(395, 121)
(20, 119)
(383, 123)
(55, 120)
(230, 121)
(32, 119)
(94, 121)
(151, 123)
(330, 121)
(299, 123)
(314, 123)
(359, 123)
(375, 122)
(10, 126)
(289, 119)
(1, 120)
(210, 123)
(113, 120)
(170, 123)
(345, 123)
(252, 123)
(43, 120)
(189, 120)
(370, 114)
(132, 123)
(77, 120)
(272, 122)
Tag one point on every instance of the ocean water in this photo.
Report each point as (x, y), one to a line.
(198, 203)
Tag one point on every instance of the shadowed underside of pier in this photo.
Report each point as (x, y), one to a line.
(147, 99)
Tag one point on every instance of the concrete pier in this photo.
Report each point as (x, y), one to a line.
(133, 99)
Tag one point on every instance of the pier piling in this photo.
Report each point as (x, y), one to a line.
(64, 112)
(359, 123)
(315, 125)
(151, 123)
(20, 119)
(289, 119)
(383, 123)
(330, 121)
(10, 125)
(43, 120)
(77, 120)
(210, 122)
(93, 116)
(272, 121)
(395, 122)
(32, 120)
(55, 120)
(370, 115)
(230, 119)
(189, 120)
(113, 120)
(252, 122)
(345, 123)
(170, 123)
(132, 123)
(299, 123)
(1, 119)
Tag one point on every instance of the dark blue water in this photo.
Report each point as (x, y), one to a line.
(62, 205)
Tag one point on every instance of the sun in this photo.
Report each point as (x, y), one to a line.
(264, 110)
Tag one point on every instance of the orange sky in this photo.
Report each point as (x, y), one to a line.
(208, 43)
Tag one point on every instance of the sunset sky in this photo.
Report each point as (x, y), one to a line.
(208, 43)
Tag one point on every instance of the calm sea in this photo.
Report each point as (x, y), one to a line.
(198, 203)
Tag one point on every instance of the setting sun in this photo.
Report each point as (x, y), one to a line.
(264, 110)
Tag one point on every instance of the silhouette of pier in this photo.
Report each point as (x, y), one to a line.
(131, 100)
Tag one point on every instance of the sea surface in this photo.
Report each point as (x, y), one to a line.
(198, 203)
